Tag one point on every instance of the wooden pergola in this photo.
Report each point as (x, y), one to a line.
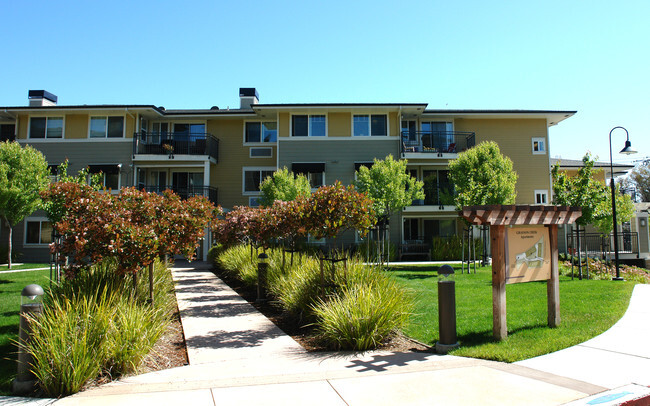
(500, 216)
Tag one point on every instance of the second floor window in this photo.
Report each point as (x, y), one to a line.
(266, 131)
(46, 127)
(369, 125)
(539, 146)
(308, 126)
(106, 127)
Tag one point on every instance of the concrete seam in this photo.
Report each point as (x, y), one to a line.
(613, 352)
(337, 392)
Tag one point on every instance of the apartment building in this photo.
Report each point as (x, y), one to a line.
(225, 153)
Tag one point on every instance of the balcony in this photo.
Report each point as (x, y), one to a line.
(441, 195)
(175, 143)
(437, 142)
(185, 191)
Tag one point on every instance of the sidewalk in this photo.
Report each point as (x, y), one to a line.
(237, 356)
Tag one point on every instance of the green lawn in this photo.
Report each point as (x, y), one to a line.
(15, 267)
(10, 286)
(587, 308)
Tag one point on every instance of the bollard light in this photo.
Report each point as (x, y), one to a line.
(30, 306)
(446, 310)
(262, 270)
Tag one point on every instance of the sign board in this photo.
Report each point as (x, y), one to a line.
(528, 254)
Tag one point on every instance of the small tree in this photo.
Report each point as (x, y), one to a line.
(389, 186)
(283, 186)
(482, 175)
(592, 196)
(23, 173)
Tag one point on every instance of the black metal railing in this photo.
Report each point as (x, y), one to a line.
(437, 141)
(175, 143)
(439, 194)
(595, 244)
(185, 191)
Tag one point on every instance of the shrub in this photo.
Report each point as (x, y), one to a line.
(363, 249)
(365, 313)
(96, 324)
(602, 270)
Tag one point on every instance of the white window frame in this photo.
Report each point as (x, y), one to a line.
(29, 128)
(106, 137)
(251, 169)
(309, 115)
(540, 141)
(370, 134)
(261, 142)
(250, 152)
(40, 220)
(544, 194)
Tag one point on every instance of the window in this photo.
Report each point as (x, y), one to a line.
(369, 125)
(110, 174)
(254, 201)
(261, 152)
(266, 131)
(541, 197)
(308, 126)
(253, 178)
(106, 127)
(315, 172)
(46, 127)
(539, 146)
(38, 231)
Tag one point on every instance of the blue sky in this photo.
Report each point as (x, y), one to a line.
(590, 56)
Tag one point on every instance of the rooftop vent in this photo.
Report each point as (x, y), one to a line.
(41, 98)
(247, 97)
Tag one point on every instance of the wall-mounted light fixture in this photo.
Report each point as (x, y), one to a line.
(642, 222)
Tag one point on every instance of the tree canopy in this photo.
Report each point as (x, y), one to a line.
(482, 175)
(23, 173)
(283, 186)
(592, 196)
(388, 185)
(640, 178)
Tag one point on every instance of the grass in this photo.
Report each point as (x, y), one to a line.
(587, 308)
(17, 267)
(11, 284)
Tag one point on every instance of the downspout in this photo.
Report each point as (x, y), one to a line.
(131, 165)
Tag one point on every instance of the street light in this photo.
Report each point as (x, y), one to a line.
(627, 150)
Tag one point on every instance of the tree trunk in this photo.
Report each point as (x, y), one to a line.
(9, 248)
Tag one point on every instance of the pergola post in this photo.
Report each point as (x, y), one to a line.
(499, 321)
(553, 284)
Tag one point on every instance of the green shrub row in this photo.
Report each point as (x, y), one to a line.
(96, 325)
(353, 307)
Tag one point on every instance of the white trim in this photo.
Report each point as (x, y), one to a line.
(46, 117)
(251, 169)
(541, 192)
(106, 137)
(544, 145)
(73, 140)
(351, 138)
(39, 219)
(309, 115)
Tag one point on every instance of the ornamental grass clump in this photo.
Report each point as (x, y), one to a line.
(365, 313)
(96, 325)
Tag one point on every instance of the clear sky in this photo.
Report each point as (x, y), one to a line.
(589, 56)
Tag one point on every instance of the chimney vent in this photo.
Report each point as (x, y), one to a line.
(39, 98)
(247, 97)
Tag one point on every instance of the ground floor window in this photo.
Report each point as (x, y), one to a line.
(423, 229)
(38, 231)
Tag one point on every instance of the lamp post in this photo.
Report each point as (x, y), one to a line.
(627, 150)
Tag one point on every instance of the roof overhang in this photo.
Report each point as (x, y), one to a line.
(552, 117)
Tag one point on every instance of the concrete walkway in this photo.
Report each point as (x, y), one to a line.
(237, 356)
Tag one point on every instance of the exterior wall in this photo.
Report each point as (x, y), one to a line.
(514, 137)
(339, 124)
(339, 155)
(76, 126)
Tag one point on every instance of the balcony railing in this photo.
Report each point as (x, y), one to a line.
(440, 194)
(185, 191)
(438, 142)
(175, 143)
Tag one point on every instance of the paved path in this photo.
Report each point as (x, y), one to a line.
(237, 356)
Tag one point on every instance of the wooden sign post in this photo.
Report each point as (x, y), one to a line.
(534, 253)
